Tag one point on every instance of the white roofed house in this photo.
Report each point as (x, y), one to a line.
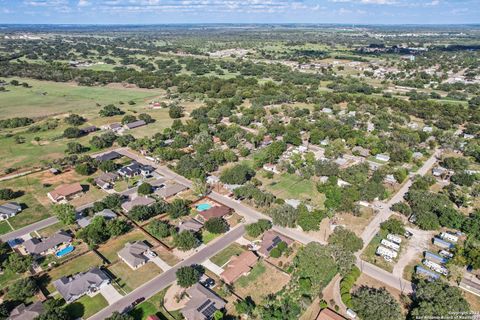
(382, 157)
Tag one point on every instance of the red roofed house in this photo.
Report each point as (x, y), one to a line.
(329, 314)
(214, 212)
(65, 192)
(239, 266)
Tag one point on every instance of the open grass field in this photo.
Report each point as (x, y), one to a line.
(260, 282)
(130, 279)
(49, 98)
(290, 186)
(110, 248)
(8, 277)
(4, 227)
(223, 256)
(86, 306)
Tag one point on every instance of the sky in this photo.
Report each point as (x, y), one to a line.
(239, 11)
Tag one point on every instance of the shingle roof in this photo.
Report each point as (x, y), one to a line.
(38, 246)
(202, 304)
(270, 240)
(238, 266)
(138, 201)
(133, 253)
(328, 314)
(215, 212)
(10, 208)
(190, 225)
(29, 312)
(66, 190)
(72, 287)
(135, 124)
(170, 189)
(108, 156)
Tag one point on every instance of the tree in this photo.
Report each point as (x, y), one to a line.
(178, 208)
(74, 148)
(185, 240)
(7, 194)
(75, 120)
(375, 304)
(65, 213)
(117, 227)
(145, 117)
(22, 289)
(107, 166)
(394, 226)
(238, 174)
(85, 169)
(110, 111)
(187, 276)
(346, 239)
(18, 263)
(128, 119)
(200, 187)
(402, 207)
(284, 215)
(159, 229)
(175, 111)
(245, 307)
(309, 221)
(257, 228)
(72, 132)
(4, 312)
(216, 225)
(53, 310)
(112, 201)
(437, 299)
(120, 316)
(145, 188)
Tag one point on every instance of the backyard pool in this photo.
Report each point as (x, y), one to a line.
(64, 251)
(203, 206)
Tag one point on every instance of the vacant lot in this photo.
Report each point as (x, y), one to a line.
(49, 98)
(263, 280)
(290, 186)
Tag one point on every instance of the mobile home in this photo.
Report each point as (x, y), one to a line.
(390, 244)
(394, 238)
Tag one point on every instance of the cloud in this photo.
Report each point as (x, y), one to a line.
(83, 3)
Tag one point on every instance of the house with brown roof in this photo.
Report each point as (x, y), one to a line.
(214, 212)
(329, 314)
(270, 240)
(65, 192)
(239, 266)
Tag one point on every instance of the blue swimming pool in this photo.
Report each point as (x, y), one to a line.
(203, 206)
(64, 251)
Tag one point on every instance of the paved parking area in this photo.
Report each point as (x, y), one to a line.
(110, 294)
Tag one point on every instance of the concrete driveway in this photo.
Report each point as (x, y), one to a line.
(110, 294)
(212, 267)
(160, 263)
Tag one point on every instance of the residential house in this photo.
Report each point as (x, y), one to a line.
(89, 282)
(219, 211)
(442, 243)
(270, 240)
(211, 180)
(134, 254)
(202, 303)
(329, 314)
(170, 189)
(37, 246)
(135, 124)
(439, 172)
(30, 312)
(65, 192)
(115, 127)
(390, 179)
(238, 266)
(190, 225)
(9, 209)
(270, 167)
(108, 156)
(361, 151)
(138, 201)
(135, 169)
(106, 180)
(470, 286)
(106, 213)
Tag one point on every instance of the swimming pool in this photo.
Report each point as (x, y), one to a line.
(64, 251)
(203, 206)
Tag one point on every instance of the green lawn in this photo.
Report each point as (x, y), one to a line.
(8, 277)
(50, 230)
(256, 272)
(290, 186)
(142, 311)
(223, 256)
(130, 279)
(33, 213)
(86, 306)
(208, 236)
(154, 306)
(110, 249)
(4, 227)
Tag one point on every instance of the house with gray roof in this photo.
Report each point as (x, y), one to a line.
(73, 287)
(30, 312)
(170, 189)
(190, 225)
(135, 124)
(106, 180)
(37, 246)
(134, 254)
(138, 201)
(9, 209)
(202, 303)
(106, 213)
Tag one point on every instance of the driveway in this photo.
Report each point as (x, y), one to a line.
(160, 263)
(212, 267)
(110, 294)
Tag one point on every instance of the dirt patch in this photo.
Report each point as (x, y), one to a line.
(354, 223)
(172, 299)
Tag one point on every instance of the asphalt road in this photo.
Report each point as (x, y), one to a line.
(162, 281)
